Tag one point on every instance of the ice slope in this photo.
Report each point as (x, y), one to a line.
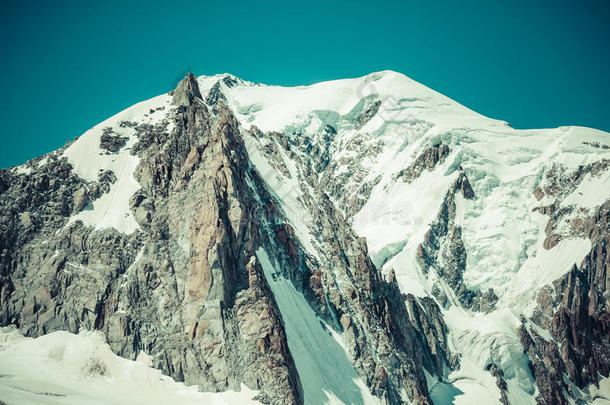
(502, 232)
(66, 369)
(327, 376)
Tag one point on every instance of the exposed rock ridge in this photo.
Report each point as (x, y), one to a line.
(185, 289)
(443, 252)
(575, 312)
(368, 114)
(566, 220)
(392, 337)
(186, 91)
(427, 160)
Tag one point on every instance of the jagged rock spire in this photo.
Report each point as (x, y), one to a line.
(186, 91)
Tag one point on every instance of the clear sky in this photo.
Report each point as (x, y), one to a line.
(68, 65)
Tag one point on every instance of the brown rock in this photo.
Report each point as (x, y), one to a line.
(80, 199)
(186, 91)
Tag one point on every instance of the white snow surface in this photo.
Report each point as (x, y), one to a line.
(587, 194)
(601, 395)
(62, 368)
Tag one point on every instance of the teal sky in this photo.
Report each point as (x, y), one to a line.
(68, 65)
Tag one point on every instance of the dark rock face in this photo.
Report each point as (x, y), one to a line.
(3, 181)
(557, 185)
(220, 329)
(443, 251)
(187, 91)
(111, 142)
(80, 199)
(215, 95)
(498, 373)
(367, 114)
(391, 337)
(427, 160)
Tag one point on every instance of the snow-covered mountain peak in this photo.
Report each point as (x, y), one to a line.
(399, 95)
(434, 254)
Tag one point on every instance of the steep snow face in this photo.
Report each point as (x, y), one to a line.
(63, 368)
(502, 229)
(89, 160)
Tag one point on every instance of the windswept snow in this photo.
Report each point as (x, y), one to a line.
(482, 340)
(325, 371)
(66, 369)
(272, 108)
(468, 385)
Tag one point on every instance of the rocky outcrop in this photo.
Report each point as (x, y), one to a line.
(498, 373)
(186, 91)
(566, 220)
(392, 337)
(110, 141)
(427, 160)
(341, 177)
(80, 199)
(214, 95)
(409, 335)
(271, 151)
(443, 252)
(227, 313)
(367, 114)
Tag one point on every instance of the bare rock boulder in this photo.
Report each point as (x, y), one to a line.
(80, 199)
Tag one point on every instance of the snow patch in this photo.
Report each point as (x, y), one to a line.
(23, 169)
(544, 268)
(591, 192)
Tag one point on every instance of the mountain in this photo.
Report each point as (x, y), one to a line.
(355, 241)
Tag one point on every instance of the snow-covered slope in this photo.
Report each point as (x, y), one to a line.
(326, 374)
(63, 368)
